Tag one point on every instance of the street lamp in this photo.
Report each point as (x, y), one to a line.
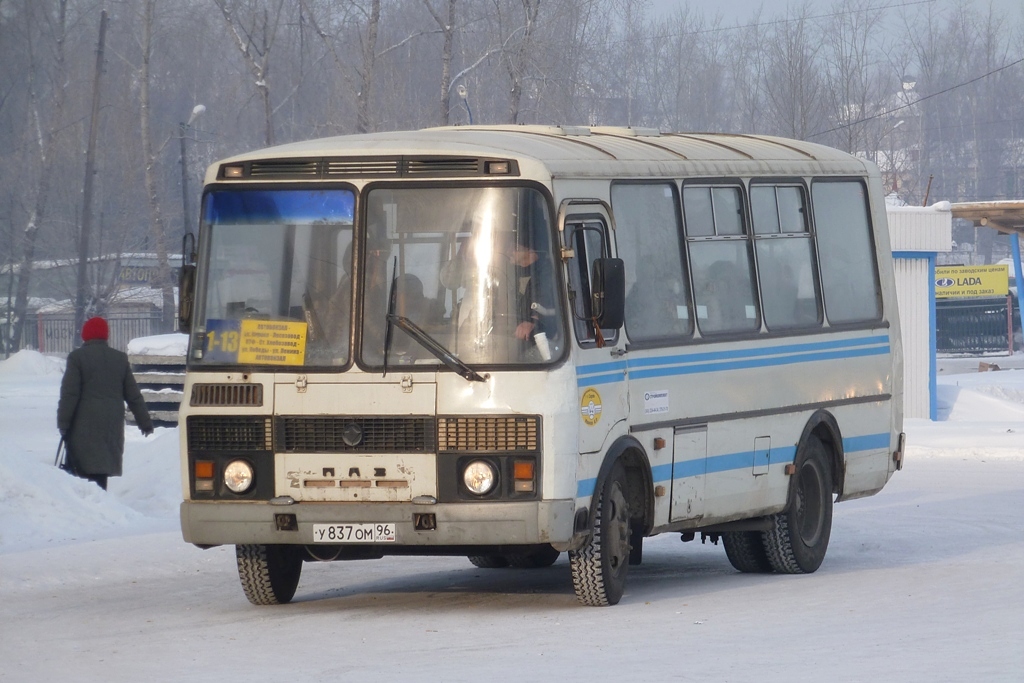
(464, 96)
(186, 221)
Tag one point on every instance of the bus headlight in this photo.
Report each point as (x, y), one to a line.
(238, 476)
(480, 477)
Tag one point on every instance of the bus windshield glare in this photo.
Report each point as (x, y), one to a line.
(473, 269)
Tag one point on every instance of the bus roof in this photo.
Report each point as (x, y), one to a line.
(555, 151)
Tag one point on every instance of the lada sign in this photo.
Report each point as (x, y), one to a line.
(971, 281)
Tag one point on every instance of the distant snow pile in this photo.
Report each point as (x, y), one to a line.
(175, 344)
(29, 362)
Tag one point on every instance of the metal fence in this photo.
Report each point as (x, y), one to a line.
(974, 325)
(56, 333)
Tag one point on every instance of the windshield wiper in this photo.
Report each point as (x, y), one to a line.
(392, 293)
(435, 347)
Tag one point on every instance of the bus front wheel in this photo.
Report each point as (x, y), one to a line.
(746, 553)
(269, 573)
(798, 539)
(488, 561)
(599, 568)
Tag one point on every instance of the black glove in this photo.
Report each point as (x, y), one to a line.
(146, 431)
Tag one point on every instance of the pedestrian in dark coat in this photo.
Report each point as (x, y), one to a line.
(90, 414)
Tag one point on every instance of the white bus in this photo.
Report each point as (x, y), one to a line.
(511, 342)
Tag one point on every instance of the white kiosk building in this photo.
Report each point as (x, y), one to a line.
(917, 235)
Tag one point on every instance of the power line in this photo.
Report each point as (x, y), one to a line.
(889, 112)
(775, 22)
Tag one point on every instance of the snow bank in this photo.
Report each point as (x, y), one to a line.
(175, 344)
(28, 362)
(42, 506)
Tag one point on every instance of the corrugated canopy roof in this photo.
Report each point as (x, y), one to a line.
(1005, 216)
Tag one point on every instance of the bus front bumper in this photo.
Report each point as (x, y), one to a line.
(455, 524)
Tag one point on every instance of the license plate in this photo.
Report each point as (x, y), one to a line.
(354, 533)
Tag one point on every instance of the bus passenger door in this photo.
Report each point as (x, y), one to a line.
(601, 368)
(689, 469)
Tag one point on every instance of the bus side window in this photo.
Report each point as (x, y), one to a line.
(785, 257)
(586, 239)
(648, 231)
(718, 244)
(849, 273)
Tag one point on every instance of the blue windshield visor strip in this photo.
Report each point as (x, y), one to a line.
(737, 461)
(303, 207)
(694, 363)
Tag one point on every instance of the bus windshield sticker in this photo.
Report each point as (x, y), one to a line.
(256, 342)
(655, 402)
(590, 407)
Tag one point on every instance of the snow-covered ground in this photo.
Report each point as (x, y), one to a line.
(923, 582)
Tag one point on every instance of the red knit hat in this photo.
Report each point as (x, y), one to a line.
(95, 328)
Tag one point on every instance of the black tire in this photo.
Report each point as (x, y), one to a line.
(269, 573)
(600, 567)
(537, 559)
(745, 550)
(489, 561)
(798, 539)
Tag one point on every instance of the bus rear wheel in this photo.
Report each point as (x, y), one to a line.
(798, 539)
(599, 568)
(269, 573)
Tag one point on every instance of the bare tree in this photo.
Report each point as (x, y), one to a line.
(157, 226)
(45, 138)
(854, 82)
(254, 35)
(447, 26)
(517, 47)
(793, 80)
(367, 22)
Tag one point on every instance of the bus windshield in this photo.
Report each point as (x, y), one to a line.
(269, 255)
(473, 269)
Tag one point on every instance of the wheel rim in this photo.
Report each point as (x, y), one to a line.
(617, 530)
(810, 505)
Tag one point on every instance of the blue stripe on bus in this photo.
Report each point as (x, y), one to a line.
(601, 379)
(736, 461)
(758, 362)
(866, 443)
(602, 368)
(589, 375)
(757, 352)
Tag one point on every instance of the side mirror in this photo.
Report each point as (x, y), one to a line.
(187, 283)
(608, 289)
(186, 297)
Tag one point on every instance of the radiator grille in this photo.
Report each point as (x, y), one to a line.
(475, 434)
(229, 433)
(355, 434)
(226, 395)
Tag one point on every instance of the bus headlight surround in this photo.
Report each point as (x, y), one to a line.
(238, 476)
(480, 477)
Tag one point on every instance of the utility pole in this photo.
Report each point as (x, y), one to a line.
(87, 191)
